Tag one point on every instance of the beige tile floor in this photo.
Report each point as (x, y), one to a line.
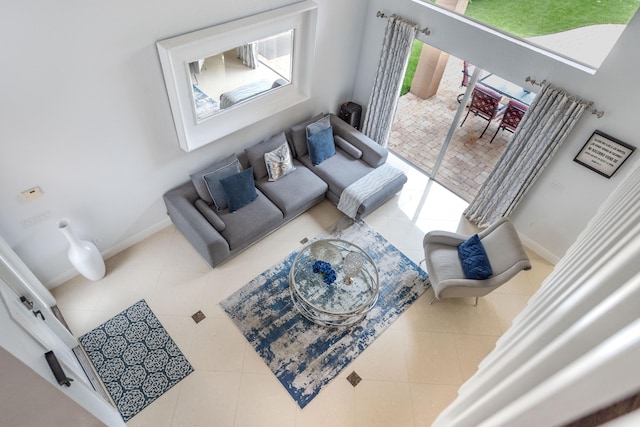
(410, 373)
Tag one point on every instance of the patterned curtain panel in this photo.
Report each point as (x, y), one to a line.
(544, 127)
(249, 54)
(381, 109)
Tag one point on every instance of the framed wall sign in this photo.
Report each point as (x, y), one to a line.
(604, 154)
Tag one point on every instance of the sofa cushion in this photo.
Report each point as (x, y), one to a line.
(298, 136)
(321, 146)
(256, 219)
(212, 180)
(240, 189)
(279, 162)
(338, 171)
(255, 154)
(197, 178)
(295, 192)
(347, 147)
(205, 209)
(474, 259)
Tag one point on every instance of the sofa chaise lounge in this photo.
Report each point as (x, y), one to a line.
(205, 209)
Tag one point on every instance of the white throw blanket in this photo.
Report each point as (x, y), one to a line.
(356, 193)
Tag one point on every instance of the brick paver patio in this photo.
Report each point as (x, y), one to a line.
(420, 128)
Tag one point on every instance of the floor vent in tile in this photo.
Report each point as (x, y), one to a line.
(198, 316)
(354, 379)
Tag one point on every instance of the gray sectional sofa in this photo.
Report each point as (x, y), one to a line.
(199, 212)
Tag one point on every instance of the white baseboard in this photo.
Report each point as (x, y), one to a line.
(545, 254)
(108, 253)
(136, 238)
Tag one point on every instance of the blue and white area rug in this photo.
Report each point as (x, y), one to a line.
(205, 105)
(136, 358)
(305, 356)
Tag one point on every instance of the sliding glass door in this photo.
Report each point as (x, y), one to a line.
(436, 99)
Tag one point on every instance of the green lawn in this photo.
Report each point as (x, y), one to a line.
(527, 18)
(411, 66)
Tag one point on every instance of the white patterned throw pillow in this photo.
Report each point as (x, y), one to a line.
(279, 162)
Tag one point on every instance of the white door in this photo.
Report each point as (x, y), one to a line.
(27, 337)
(29, 329)
(31, 317)
(18, 277)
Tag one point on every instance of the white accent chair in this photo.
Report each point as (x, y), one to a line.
(504, 250)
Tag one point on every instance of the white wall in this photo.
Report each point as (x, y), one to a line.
(85, 115)
(562, 201)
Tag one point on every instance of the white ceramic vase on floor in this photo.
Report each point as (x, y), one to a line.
(84, 255)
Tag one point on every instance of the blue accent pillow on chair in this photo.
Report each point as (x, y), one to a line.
(474, 259)
(240, 189)
(321, 146)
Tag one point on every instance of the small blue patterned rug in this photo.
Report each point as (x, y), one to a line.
(136, 358)
(305, 356)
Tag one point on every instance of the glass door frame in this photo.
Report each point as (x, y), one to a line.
(456, 120)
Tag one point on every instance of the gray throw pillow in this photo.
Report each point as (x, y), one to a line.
(322, 124)
(298, 136)
(197, 178)
(215, 188)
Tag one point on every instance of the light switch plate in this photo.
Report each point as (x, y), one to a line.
(31, 194)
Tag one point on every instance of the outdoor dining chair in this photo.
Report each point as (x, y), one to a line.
(512, 115)
(465, 79)
(484, 103)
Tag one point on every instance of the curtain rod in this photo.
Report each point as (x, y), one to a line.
(590, 109)
(426, 31)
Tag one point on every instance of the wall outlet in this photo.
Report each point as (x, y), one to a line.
(31, 194)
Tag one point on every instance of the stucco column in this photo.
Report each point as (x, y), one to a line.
(432, 61)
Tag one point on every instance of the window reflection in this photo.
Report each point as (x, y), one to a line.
(223, 80)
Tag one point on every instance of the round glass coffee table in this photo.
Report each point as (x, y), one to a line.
(333, 282)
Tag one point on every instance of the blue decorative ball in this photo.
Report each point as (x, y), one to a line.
(324, 268)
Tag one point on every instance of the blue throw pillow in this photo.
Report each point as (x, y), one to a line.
(474, 259)
(240, 189)
(321, 146)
